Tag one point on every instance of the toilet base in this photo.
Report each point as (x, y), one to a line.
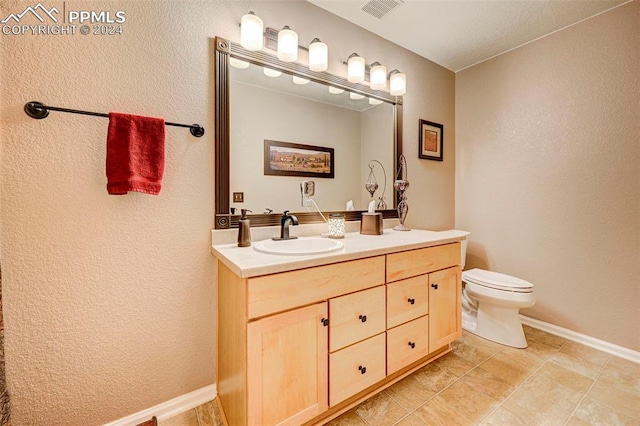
(501, 325)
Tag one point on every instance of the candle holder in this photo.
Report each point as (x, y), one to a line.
(401, 184)
(372, 185)
(336, 225)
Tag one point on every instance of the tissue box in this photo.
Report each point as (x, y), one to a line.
(371, 224)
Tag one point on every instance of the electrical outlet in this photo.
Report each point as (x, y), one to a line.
(238, 197)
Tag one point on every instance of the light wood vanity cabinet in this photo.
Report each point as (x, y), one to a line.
(304, 346)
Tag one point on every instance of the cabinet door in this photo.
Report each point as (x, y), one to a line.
(407, 300)
(288, 367)
(445, 312)
(355, 368)
(407, 343)
(356, 317)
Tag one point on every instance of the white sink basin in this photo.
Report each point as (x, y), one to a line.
(300, 246)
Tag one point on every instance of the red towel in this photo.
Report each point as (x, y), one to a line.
(135, 154)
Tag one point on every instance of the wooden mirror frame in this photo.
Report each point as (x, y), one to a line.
(223, 50)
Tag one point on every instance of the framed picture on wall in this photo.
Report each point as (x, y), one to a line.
(294, 159)
(431, 136)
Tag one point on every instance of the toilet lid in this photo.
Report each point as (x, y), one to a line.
(496, 280)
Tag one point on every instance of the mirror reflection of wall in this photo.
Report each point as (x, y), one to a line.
(265, 108)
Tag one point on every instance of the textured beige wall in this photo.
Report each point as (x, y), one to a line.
(548, 172)
(110, 301)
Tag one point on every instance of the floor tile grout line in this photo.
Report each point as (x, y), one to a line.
(518, 387)
(591, 387)
(587, 391)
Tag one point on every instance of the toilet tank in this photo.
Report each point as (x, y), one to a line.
(463, 248)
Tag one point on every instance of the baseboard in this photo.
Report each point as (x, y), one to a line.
(592, 342)
(170, 408)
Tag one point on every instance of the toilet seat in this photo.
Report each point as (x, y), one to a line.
(497, 281)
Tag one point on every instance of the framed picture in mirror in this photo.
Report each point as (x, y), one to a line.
(294, 159)
(431, 137)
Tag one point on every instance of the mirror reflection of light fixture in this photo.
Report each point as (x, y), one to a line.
(271, 72)
(300, 80)
(356, 96)
(251, 32)
(401, 184)
(374, 101)
(239, 64)
(335, 90)
(397, 83)
(355, 68)
(372, 185)
(318, 55)
(287, 44)
(378, 76)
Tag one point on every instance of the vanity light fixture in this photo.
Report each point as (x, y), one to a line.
(271, 72)
(355, 68)
(356, 96)
(251, 32)
(378, 76)
(239, 64)
(335, 90)
(299, 80)
(374, 101)
(397, 83)
(318, 55)
(287, 44)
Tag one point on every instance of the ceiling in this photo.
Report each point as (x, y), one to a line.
(460, 33)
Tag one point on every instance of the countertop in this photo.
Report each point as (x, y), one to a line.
(247, 262)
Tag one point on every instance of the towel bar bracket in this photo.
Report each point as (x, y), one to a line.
(38, 110)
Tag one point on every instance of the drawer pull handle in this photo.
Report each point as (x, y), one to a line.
(412, 301)
(363, 318)
(435, 286)
(324, 321)
(362, 369)
(412, 344)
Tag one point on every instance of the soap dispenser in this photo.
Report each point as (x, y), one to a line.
(244, 229)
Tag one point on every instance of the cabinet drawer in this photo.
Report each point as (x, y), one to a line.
(422, 261)
(356, 368)
(278, 292)
(407, 343)
(407, 300)
(355, 317)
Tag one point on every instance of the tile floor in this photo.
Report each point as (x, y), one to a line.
(552, 382)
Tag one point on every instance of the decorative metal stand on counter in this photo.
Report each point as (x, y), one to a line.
(401, 184)
(39, 111)
(372, 185)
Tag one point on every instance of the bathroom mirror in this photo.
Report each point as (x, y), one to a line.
(259, 118)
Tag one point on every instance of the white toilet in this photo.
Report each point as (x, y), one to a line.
(491, 303)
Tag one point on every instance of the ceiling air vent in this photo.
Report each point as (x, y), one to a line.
(379, 8)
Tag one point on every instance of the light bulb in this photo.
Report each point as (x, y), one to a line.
(318, 55)
(356, 96)
(271, 72)
(397, 83)
(300, 80)
(335, 90)
(378, 75)
(287, 44)
(355, 69)
(251, 32)
(373, 101)
(237, 63)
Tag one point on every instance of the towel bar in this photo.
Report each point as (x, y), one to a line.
(39, 111)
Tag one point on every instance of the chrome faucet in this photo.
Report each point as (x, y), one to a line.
(284, 226)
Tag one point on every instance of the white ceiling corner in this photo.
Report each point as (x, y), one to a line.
(460, 33)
